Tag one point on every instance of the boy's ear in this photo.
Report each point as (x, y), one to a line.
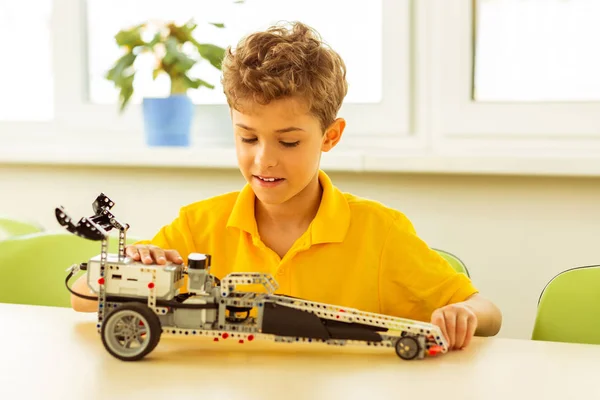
(333, 134)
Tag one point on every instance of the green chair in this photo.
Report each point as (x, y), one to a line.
(454, 261)
(33, 267)
(569, 307)
(14, 227)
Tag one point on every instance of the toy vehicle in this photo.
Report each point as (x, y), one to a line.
(137, 303)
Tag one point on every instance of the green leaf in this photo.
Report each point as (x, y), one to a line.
(122, 74)
(175, 59)
(120, 69)
(218, 24)
(155, 40)
(214, 54)
(171, 51)
(190, 26)
(130, 38)
(183, 33)
(196, 83)
(182, 65)
(181, 83)
(126, 91)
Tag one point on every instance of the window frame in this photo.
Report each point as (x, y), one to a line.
(432, 125)
(76, 116)
(460, 124)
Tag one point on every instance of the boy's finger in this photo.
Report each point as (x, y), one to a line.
(450, 318)
(173, 256)
(471, 328)
(159, 255)
(461, 330)
(145, 255)
(132, 252)
(438, 319)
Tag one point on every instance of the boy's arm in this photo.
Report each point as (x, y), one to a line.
(418, 283)
(79, 304)
(489, 316)
(460, 321)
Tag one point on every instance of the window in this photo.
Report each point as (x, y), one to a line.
(509, 75)
(26, 81)
(428, 78)
(77, 49)
(537, 51)
(371, 35)
(360, 48)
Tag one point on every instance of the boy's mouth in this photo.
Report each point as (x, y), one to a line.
(268, 178)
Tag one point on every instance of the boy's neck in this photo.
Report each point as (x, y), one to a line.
(297, 212)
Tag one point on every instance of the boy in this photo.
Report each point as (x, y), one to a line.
(284, 88)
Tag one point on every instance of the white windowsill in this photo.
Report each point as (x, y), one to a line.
(524, 165)
(133, 154)
(126, 156)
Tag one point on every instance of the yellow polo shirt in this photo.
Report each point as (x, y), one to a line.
(356, 253)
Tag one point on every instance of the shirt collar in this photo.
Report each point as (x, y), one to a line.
(242, 214)
(329, 225)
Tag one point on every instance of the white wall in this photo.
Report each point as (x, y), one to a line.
(514, 233)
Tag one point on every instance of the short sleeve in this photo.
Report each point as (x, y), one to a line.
(174, 236)
(415, 280)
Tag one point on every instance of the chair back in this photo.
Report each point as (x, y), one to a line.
(33, 267)
(454, 261)
(10, 227)
(569, 307)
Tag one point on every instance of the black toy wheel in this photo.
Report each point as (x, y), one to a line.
(407, 347)
(131, 331)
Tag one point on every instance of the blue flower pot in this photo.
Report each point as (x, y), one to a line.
(168, 121)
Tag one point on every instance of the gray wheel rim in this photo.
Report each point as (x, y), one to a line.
(127, 333)
(408, 347)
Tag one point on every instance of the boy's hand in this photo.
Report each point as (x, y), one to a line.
(148, 254)
(457, 322)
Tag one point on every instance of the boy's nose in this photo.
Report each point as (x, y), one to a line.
(265, 157)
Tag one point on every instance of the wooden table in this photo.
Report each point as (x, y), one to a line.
(55, 353)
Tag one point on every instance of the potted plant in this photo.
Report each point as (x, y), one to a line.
(167, 121)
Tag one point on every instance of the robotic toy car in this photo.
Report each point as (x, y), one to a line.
(137, 303)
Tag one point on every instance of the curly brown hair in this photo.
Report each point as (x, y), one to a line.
(282, 63)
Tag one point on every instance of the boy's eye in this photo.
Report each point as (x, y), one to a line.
(285, 144)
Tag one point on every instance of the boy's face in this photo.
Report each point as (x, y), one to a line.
(279, 147)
